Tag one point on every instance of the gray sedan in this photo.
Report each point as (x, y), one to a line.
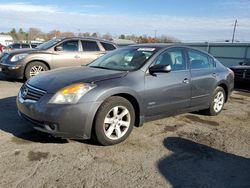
(123, 89)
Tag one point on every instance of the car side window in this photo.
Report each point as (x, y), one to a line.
(199, 60)
(107, 46)
(71, 45)
(25, 46)
(15, 46)
(173, 57)
(90, 46)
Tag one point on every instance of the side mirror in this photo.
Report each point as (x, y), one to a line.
(58, 48)
(240, 63)
(159, 68)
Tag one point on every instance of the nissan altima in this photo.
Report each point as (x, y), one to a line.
(122, 89)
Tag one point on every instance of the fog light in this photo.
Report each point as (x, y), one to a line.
(51, 126)
(13, 67)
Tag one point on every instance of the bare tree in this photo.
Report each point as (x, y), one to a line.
(107, 36)
(167, 39)
(86, 34)
(96, 35)
(21, 35)
(34, 33)
(67, 34)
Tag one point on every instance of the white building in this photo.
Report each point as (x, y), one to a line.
(6, 40)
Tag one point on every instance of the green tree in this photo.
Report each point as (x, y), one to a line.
(122, 36)
(13, 34)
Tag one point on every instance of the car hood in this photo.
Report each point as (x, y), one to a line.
(54, 80)
(21, 51)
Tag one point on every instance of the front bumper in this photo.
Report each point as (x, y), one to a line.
(66, 121)
(12, 71)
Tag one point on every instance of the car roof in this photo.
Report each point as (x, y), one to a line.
(159, 45)
(166, 45)
(86, 38)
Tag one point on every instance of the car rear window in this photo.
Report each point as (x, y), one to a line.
(199, 60)
(90, 46)
(107, 46)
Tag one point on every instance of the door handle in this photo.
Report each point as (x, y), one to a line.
(77, 57)
(100, 55)
(214, 74)
(185, 81)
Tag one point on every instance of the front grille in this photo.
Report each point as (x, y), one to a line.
(242, 73)
(31, 93)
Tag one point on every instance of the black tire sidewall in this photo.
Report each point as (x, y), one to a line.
(101, 114)
(30, 65)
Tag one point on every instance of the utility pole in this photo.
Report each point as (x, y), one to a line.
(155, 33)
(235, 25)
(79, 32)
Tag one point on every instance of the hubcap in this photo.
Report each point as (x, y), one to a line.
(36, 70)
(218, 101)
(117, 122)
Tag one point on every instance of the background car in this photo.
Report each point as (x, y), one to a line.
(124, 88)
(242, 72)
(17, 45)
(59, 52)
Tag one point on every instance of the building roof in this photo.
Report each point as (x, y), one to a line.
(8, 37)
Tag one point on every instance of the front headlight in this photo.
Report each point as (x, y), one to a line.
(18, 57)
(71, 94)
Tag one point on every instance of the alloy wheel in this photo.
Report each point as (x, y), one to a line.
(36, 70)
(117, 122)
(218, 101)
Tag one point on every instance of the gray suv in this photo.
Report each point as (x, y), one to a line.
(124, 88)
(59, 52)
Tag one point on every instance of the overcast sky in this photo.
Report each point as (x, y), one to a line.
(187, 20)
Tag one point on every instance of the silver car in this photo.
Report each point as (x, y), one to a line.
(59, 52)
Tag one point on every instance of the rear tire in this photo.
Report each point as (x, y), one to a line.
(217, 102)
(35, 68)
(114, 121)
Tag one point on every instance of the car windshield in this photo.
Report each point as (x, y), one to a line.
(125, 59)
(48, 44)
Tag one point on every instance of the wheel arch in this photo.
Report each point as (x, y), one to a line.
(35, 60)
(134, 103)
(89, 131)
(225, 87)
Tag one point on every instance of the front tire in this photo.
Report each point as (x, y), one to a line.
(35, 68)
(217, 102)
(114, 121)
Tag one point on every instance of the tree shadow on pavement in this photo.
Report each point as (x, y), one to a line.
(11, 122)
(196, 165)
